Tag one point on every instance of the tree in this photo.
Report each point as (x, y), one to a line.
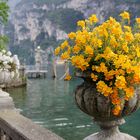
(3, 11)
(4, 8)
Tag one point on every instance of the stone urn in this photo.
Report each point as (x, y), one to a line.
(6, 76)
(99, 107)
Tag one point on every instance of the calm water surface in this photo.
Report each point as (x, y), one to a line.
(50, 103)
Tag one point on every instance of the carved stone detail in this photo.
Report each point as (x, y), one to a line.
(99, 107)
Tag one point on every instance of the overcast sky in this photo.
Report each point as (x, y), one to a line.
(12, 3)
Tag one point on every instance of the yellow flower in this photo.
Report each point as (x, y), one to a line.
(80, 39)
(93, 19)
(103, 67)
(64, 44)
(89, 50)
(103, 32)
(115, 97)
(65, 55)
(116, 31)
(76, 49)
(109, 75)
(113, 41)
(129, 93)
(81, 23)
(112, 21)
(72, 35)
(108, 53)
(103, 88)
(67, 77)
(120, 82)
(125, 15)
(116, 110)
(79, 62)
(138, 51)
(125, 47)
(99, 43)
(138, 20)
(136, 78)
(120, 60)
(128, 36)
(57, 51)
(94, 77)
(137, 37)
(127, 28)
(119, 72)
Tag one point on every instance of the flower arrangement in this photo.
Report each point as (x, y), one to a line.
(7, 61)
(110, 52)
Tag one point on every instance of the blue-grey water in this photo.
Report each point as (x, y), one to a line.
(50, 103)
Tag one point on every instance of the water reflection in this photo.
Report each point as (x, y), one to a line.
(18, 95)
(33, 98)
(51, 104)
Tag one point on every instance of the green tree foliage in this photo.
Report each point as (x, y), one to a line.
(3, 12)
(3, 42)
(3, 19)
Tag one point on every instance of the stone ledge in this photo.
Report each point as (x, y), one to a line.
(19, 127)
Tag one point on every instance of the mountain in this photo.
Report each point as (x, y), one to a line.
(47, 22)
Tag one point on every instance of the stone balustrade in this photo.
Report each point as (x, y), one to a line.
(14, 126)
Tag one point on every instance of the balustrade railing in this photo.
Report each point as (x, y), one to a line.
(14, 126)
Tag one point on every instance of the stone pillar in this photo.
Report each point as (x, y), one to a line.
(38, 58)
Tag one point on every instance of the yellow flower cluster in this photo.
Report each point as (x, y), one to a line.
(103, 88)
(111, 52)
(79, 62)
(67, 77)
(125, 15)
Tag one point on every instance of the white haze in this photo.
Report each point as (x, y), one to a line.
(12, 3)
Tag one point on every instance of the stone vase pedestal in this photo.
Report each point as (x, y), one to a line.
(4, 76)
(99, 107)
(110, 131)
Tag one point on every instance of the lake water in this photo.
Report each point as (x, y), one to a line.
(50, 103)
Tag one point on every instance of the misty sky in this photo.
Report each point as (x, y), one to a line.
(12, 3)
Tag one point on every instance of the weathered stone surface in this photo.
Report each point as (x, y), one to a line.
(110, 131)
(113, 134)
(98, 106)
(19, 127)
(6, 102)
